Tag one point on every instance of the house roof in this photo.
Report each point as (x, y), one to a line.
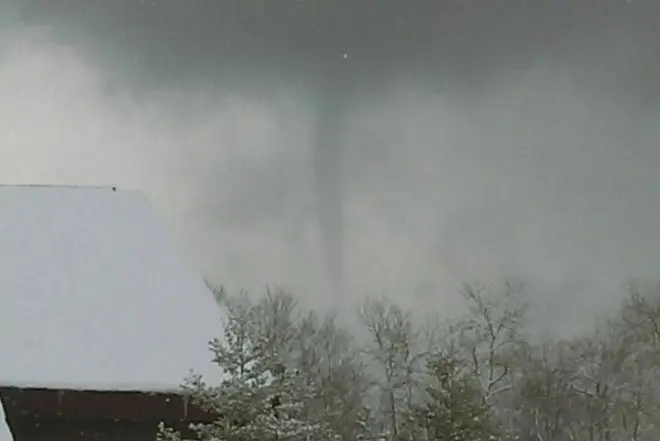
(93, 294)
(5, 432)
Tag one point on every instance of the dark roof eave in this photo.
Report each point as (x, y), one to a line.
(21, 403)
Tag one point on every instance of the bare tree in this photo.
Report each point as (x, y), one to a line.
(492, 335)
(596, 387)
(394, 348)
(596, 368)
(637, 331)
(327, 354)
(538, 406)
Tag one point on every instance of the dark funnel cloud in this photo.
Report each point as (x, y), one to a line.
(327, 164)
(352, 146)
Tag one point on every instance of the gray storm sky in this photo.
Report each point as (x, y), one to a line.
(478, 139)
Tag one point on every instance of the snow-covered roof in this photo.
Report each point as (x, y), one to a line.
(93, 294)
(5, 433)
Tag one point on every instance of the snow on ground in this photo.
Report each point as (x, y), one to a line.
(5, 433)
(94, 295)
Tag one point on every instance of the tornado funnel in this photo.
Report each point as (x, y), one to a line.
(328, 154)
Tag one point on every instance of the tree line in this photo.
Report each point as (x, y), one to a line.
(298, 375)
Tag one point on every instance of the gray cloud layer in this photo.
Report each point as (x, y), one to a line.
(479, 140)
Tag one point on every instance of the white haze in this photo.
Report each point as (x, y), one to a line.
(548, 177)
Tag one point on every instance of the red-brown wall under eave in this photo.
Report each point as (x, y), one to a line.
(39, 414)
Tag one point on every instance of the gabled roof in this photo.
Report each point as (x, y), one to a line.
(94, 296)
(5, 432)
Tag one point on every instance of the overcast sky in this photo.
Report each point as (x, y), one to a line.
(438, 140)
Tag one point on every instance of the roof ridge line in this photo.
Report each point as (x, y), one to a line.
(80, 186)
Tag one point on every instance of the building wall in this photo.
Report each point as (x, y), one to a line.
(38, 414)
(62, 430)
